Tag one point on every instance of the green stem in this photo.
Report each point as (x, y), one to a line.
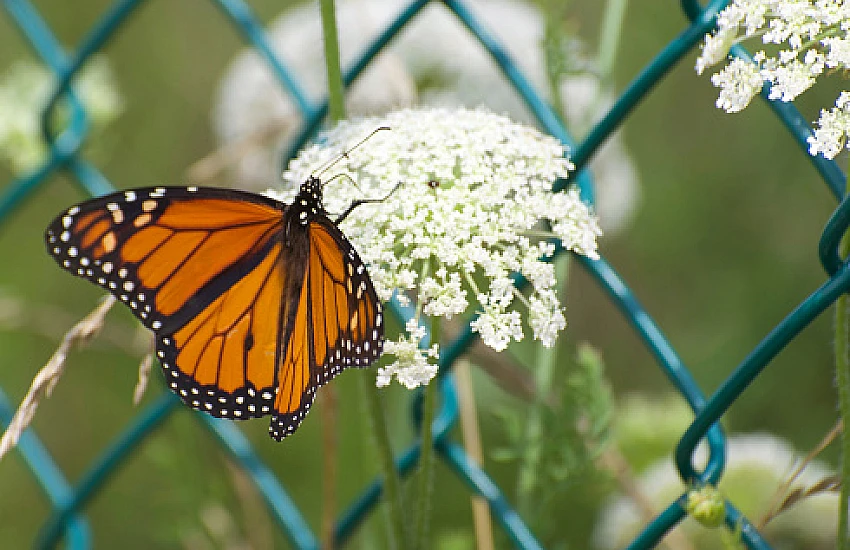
(426, 456)
(842, 380)
(529, 467)
(336, 94)
(392, 485)
(612, 27)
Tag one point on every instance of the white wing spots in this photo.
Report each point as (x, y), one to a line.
(109, 242)
(243, 403)
(142, 220)
(128, 286)
(282, 425)
(156, 325)
(192, 189)
(107, 267)
(130, 196)
(118, 215)
(149, 205)
(74, 210)
(72, 251)
(65, 236)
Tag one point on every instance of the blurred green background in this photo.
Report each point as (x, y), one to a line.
(723, 246)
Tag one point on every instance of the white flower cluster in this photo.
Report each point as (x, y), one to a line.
(810, 38)
(474, 205)
(436, 61)
(24, 90)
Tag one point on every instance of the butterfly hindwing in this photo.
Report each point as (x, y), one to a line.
(337, 323)
(224, 360)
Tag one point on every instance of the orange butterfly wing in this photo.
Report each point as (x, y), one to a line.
(200, 267)
(255, 303)
(336, 322)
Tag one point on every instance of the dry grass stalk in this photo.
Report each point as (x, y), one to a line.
(472, 445)
(48, 376)
(785, 497)
(144, 375)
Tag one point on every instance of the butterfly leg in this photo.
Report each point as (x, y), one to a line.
(358, 202)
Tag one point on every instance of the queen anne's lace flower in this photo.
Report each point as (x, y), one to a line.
(808, 37)
(436, 61)
(472, 206)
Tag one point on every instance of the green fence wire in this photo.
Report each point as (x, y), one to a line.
(68, 500)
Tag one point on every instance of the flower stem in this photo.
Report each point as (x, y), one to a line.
(529, 468)
(842, 380)
(336, 95)
(392, 485)
(426, 456)
(330, 470)
(612, 26)
(336, 102)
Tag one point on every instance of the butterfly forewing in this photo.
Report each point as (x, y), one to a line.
(158, 249)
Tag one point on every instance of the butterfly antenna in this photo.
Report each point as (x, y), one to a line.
(345, 153)
(342, 175)
(357, 203)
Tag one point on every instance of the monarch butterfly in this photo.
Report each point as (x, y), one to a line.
(254, 303)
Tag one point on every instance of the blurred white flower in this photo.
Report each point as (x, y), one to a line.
(806, 38)
(472, 207)
(434, 61)
(24, 90)
(757, 465)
